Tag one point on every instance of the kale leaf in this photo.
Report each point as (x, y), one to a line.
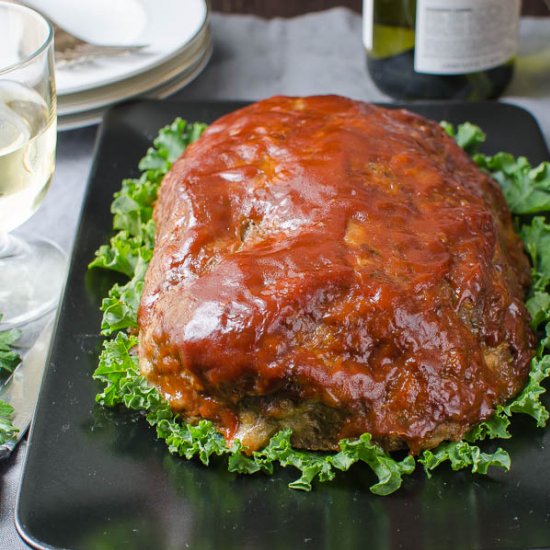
(9, 359)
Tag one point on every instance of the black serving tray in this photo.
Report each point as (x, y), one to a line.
(99, 479)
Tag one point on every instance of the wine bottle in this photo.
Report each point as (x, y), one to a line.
(441, 49)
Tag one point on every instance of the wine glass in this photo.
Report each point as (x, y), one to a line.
(31, 271)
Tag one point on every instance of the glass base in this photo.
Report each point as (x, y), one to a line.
(32, 274)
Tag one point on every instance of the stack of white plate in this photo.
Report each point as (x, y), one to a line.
(178, 47)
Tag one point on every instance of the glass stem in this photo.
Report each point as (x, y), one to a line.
(11, 246)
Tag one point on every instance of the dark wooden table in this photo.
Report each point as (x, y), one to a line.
(290, 8)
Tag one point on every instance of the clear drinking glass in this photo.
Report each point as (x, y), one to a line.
(31, 272)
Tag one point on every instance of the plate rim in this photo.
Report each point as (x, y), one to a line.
(141, 83)
(163, 90)
(175, 52)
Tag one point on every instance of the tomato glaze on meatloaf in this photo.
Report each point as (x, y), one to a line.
(334, 267)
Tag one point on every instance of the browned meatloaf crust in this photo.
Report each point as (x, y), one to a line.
(338, 268)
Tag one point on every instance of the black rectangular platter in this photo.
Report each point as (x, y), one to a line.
(100, 479)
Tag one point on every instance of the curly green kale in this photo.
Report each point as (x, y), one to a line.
(9, 359)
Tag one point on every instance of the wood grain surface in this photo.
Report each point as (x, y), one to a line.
(290, 8)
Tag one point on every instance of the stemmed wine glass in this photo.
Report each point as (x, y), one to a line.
(31, 271)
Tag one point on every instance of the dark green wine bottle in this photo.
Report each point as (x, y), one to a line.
(441, 49)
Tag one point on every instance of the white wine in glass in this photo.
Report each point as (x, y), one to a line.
(31, 272)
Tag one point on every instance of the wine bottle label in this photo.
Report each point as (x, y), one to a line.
(368, 13)
(464, 36)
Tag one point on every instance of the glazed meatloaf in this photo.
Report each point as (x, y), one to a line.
(336, 268)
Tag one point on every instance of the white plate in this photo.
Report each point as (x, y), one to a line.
(166, 26)
(93, 116)
(71, 104)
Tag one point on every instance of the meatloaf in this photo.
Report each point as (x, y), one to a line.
(336, 268)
